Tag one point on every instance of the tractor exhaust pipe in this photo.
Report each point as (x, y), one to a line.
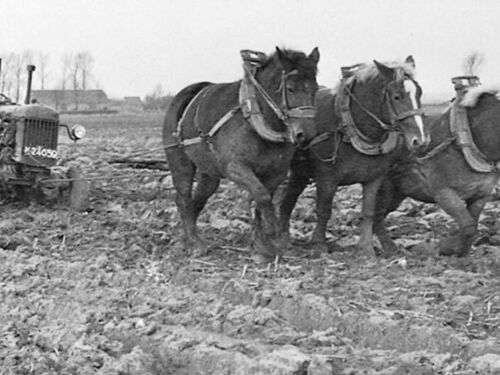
(31, 69)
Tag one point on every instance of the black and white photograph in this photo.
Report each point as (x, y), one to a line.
(259, 187)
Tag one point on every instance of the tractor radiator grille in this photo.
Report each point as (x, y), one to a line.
(42, 133)
(36, 142)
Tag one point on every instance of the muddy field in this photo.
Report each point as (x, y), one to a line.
(109, 291)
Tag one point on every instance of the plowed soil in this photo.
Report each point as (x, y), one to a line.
(109, 290)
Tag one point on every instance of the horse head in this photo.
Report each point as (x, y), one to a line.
(290, 79)
(401, 95)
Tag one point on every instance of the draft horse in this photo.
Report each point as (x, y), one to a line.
(458, 172)
(245, 131)
(359, 124)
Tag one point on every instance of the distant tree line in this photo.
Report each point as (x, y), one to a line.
(74, 72)
(157, 99)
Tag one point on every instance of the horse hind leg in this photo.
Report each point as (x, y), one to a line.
(388, 200)
(183, 172)
(326, 188)
(460, 243)
(370, 190)
(293, 189)
(206, 186)
(463, 239)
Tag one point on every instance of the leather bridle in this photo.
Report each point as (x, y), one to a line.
(395, 117)
(283, 111)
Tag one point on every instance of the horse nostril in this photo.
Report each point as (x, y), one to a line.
(415, 143)
(300, 137)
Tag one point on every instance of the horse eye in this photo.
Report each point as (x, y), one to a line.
(289, 90)
(397, 97)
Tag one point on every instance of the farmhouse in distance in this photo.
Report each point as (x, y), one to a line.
(72, 100)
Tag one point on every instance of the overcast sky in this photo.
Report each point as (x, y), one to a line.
(137, 44)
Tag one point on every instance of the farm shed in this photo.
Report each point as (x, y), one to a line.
(72, 100)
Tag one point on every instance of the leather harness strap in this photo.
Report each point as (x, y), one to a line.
(360, 141)
(460, 129)
(249, 107)
(461, 135)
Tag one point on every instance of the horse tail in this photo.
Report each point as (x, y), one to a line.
(177, 107)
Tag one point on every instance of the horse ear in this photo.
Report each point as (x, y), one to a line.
(279, 52)
(314, 55)
(410, 61)
(387, 72)
(283, 58)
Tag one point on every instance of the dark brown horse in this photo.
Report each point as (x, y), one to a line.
(459, 172)
(246, 131)
(358, 125)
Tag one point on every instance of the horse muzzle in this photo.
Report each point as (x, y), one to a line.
(300, 122)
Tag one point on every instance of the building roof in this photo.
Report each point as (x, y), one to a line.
(82, 96)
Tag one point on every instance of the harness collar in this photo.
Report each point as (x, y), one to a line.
(360, 141)
(460, 130)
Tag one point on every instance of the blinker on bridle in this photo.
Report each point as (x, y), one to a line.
(284, 112)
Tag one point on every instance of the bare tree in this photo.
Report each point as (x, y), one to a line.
(6, 73)
(66, 64)
(85, 61)
(42, 60)
(472, 63)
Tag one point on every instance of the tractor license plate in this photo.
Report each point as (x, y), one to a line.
(40, 152)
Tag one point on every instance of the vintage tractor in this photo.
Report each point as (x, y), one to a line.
(30, 164)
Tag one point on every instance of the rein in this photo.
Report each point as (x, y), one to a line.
(383, 125)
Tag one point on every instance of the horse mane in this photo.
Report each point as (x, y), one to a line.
(472, 96)
(297, 59)
(368, 71)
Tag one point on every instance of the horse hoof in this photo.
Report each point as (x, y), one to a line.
(195, 249)
(366, 250)
(389, 249)
(263, 259)
(318, 248)
(283, 242)
(453, 246)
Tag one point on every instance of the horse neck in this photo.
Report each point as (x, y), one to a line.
(370, 96)
(484, 120)
(270, 79)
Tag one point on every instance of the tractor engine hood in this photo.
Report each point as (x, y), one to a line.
(29, 111)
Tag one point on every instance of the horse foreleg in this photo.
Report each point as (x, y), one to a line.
(370, 190)
(388, 199)
(294, 187)
(265, 218)
(456, 207)
(325, 191)
(183, 171)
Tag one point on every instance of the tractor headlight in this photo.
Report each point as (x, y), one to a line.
(78, 131)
